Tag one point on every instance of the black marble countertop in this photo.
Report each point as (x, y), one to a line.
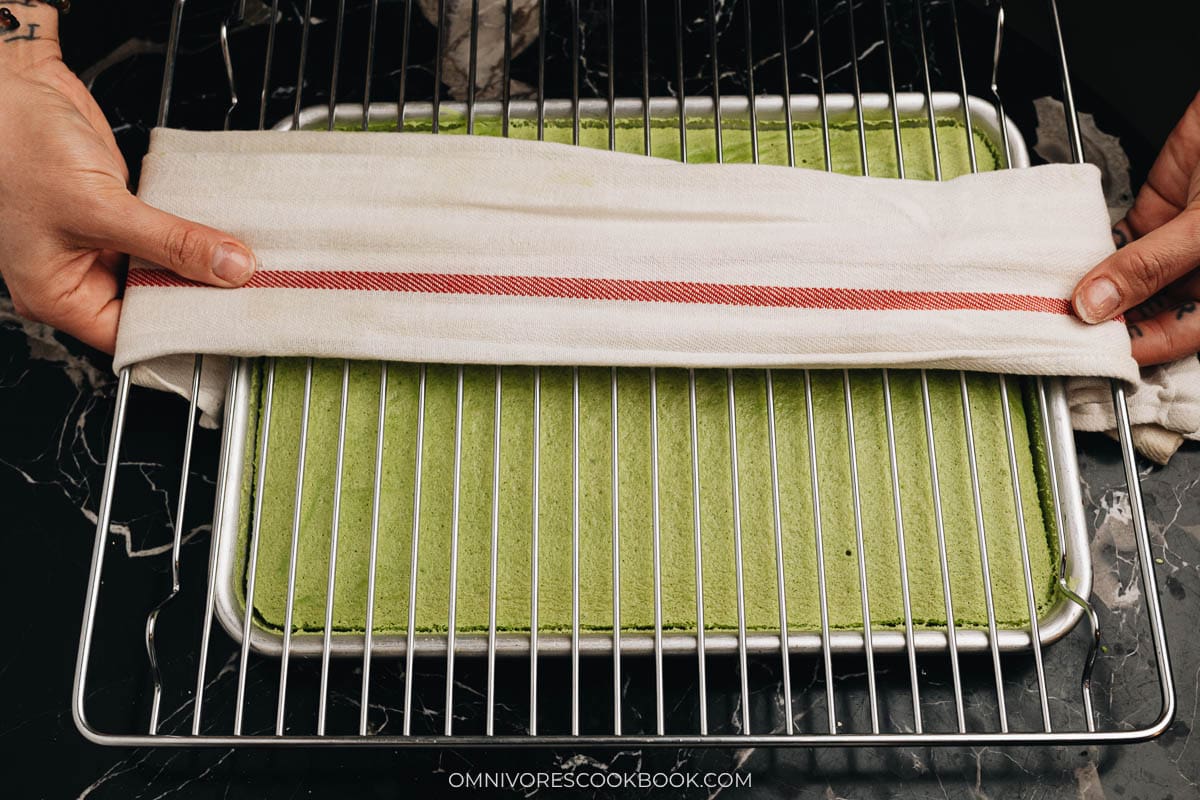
(56, 403)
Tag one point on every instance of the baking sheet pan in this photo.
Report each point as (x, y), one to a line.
(1055, 623)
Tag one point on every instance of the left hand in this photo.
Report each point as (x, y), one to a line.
(66, 214)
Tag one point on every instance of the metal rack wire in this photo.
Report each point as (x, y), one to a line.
(736, 656)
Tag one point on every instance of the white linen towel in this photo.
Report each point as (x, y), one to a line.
(482, 250)
(1164, 407)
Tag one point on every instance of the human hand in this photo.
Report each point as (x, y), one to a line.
(1154, 276)
(67, 217)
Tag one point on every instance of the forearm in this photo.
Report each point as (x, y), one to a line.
(35, 40)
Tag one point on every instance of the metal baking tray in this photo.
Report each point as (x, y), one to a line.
(1076, 570)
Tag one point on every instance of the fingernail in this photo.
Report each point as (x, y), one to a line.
(1098, 300)
(232, 263)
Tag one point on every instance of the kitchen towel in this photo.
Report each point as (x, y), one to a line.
(1164, 407)
(484, 250)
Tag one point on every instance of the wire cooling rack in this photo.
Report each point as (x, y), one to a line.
(912, 686)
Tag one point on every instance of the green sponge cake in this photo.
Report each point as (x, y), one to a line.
(516, 502)
(736, 142)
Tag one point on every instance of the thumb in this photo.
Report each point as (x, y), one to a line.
(187, 248)
(1139, 270)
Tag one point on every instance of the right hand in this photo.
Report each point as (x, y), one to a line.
(1155, 276)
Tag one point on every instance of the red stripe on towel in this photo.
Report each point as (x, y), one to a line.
(692, 292)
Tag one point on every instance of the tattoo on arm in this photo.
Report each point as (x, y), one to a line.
(9, 23)
(30, 34)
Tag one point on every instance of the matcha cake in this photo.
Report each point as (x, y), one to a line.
(516, 505)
